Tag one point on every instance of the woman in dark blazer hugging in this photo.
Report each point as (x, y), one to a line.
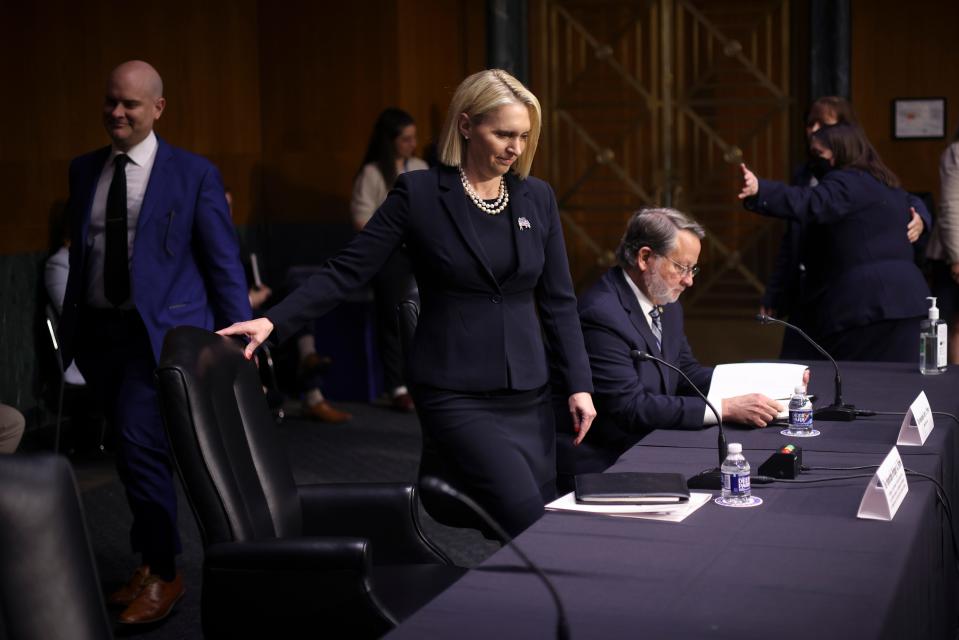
(863, 292)
(487, 249)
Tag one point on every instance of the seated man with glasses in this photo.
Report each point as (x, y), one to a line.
(633, 307)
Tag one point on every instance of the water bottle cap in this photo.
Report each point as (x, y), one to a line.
(800, 389)
(734, 447)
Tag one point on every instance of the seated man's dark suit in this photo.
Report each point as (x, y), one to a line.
(632, 398)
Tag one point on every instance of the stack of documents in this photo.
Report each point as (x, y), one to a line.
(675, 512)
(776, 380)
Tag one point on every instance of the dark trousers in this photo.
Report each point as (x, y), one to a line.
(393, 284)
(498, 448)
(115, 357)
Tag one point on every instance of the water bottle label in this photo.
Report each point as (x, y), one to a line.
(800, 418)
(736, 483)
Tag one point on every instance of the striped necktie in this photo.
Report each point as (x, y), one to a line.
(656, 324)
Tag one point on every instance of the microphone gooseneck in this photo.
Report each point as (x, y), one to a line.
(837, 411)
(435, 485)
(708, 479)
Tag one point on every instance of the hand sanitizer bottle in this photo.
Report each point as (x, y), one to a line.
(932, 343)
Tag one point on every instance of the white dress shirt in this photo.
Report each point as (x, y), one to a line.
(138, 176)
(370, 190)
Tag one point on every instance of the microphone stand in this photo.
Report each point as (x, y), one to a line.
(837, 411)
(713, 479)
(435, 485)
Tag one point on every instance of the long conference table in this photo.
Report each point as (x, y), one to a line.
(801, 565)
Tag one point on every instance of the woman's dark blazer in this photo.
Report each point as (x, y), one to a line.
(860, 267)
(473, 334)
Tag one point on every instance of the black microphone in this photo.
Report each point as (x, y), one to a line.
(434, 484)
(713, 479)
(837, 411)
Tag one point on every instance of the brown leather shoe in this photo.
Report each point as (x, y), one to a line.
(125, 595)
(155, 601)
(324, 412)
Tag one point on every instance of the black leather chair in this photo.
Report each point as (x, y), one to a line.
(48, 580)
(441, 508)
(281, 559)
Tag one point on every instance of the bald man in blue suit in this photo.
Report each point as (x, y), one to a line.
(152, 248)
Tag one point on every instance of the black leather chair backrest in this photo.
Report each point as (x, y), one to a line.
(234, 470)
(48, 580)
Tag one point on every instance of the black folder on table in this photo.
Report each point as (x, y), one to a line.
(631, 488)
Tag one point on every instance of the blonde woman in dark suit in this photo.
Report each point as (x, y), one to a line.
(487, 248)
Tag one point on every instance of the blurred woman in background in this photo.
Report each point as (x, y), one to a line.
(388, 155)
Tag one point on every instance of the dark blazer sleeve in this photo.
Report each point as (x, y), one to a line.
(349, 270)
(628, 393)
(833, 199)
(557, 307)
(923, 211)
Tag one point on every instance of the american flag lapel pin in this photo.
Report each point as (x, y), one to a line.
(523, 224)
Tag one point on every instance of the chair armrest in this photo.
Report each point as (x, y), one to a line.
(385, 513)
(304, 555)
(278, 587)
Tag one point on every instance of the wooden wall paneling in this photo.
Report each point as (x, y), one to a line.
(439, 43)
(327, 70)
(902, 50)
(58, 56)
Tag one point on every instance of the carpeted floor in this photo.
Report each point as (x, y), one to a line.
(377, 445)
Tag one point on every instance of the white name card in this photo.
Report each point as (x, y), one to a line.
(918, 423)
(886, 490)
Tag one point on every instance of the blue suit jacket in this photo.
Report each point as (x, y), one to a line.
(631, 398)
(185, 268)
(472, 329)
(860, 267)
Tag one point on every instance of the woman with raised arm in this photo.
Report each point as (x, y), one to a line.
(498, 307)
(863, 295)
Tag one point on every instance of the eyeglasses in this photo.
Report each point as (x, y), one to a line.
(683, 269)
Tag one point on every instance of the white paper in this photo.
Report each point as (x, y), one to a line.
(918, 423)
(664, 512)
(886, 490)
(776, 380)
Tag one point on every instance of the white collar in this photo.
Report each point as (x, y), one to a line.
(140, 153)
(644, 303)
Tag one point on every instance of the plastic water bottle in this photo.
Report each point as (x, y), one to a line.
(735, 472)
(932, 343)
(800, 413)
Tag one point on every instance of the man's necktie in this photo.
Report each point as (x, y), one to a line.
(116, 267)
(655, 314)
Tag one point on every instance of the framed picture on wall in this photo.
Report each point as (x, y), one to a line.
(918, 118)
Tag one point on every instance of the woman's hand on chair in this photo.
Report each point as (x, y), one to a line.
(256, 331)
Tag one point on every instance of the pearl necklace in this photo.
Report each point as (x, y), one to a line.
(491, 208)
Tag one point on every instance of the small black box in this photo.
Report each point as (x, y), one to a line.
(785, 464)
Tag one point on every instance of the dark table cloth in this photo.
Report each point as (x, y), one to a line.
(799, 566)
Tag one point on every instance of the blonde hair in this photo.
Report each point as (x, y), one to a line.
(477, 96)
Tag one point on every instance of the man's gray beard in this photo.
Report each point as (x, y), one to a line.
(659, 291)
